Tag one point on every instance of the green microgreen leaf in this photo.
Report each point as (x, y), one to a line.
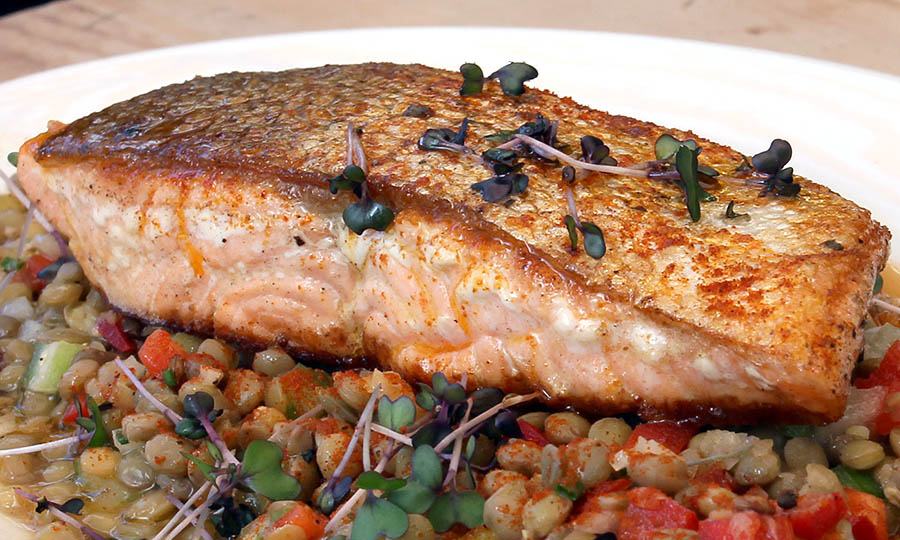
(72, 506)
(377, 517)
(374, 480)
(10, 264)
(329, 498)
(120, 437)
(261, 456)
(708, 171)
(169, 378)
(473, 79)
(261, 467)
(573, 494)
(350, 179)
(501, 136)
(859, 480)
(13, 158)
(449, 392)
(190, 428)
(367, 214)
(214, 451)
(771, 161)
(274, 484)
(426, 398)
(198, 404)
(513, 76)
(879, 284)
(424, 483)
(418, 111)
(205, 468)
(568, 173)
(573, 231)
(86, 423)
(501, 155)
(594, 244)
(666, 146)
(686, 163)
(731, 214)
(485, 398)
(464, 507)
(833, 244)
(499, 188)
(396, 415)
(100, 437)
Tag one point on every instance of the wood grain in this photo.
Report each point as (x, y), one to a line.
(859, 32)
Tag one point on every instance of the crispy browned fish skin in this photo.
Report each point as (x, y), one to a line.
(778, 312)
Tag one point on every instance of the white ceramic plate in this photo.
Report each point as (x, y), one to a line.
(843, 122)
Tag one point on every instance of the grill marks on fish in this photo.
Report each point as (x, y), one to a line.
(722, 317)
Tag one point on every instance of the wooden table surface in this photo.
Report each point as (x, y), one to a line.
(864, 33)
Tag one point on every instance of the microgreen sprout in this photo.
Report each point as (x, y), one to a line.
(13, 158)
(16, 190)
(594, 242)
(94, 425)
(593, 150)
(686, 164)
(10, 264)
(62, 511)
(445, 139)
(731, 214)
(771, 163)
(500, 188)
(365, 213)
(511, 77)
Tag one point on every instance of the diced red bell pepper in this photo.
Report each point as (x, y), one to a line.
(868, 515)
(157, 352)
(113, 333)
(650, 510)
(76, 409)
(28, 274)
(532, 434)
(718, 476)
(816, 514)
(888, 372)
(747, 526)
(673, 435)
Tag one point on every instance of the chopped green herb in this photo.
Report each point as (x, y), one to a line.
(573, 494)
(10, 264)
(879, 284)
(859, 480)
(169, 378)
(13, 158)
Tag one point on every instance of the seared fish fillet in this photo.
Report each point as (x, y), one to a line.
(205, 204)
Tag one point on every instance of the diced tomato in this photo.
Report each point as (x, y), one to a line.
(888, 372)
(673, 435)
(113, 333)
(868, 515)
(747, 526)
(610, 486)
(308, 520)
(28, 274)
(532, 434)
(718, 476)
(157, 352)
(649, 510)
(816, 514)
(76, 409)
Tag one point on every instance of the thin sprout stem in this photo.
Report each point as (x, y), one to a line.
(7, 280)
(570, 201)
(201, 521)
(399, 437)
(351, 503)
(296, 421)
(181, 511)
(187, 520)
(177, 504)
(549, 150)
(19, 194)
(349, 160)
(886, 305)
(457, 451)
(217, 440)
(62, 516)
(29, 217)
(366, 444)
(173, 416)
(43, 446)
(355, 150)
(363, 418)
(508, 401)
